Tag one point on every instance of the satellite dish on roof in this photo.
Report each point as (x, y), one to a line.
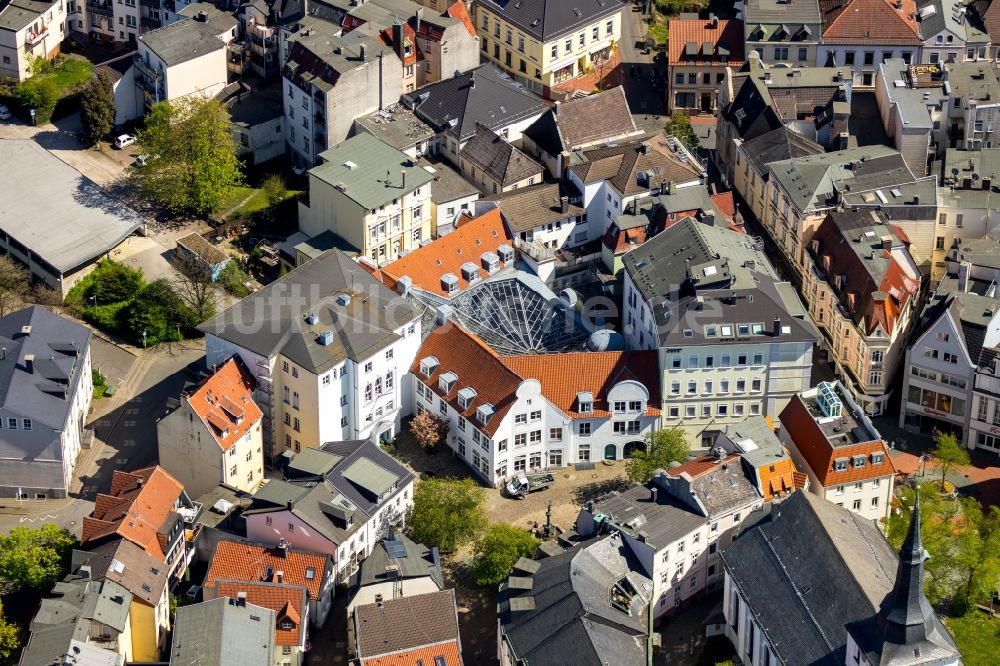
(975, 176)
(954, 171)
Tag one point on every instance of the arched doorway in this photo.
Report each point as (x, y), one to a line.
(632, 447)
(611, 452)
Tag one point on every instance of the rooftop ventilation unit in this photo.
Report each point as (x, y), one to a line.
(311, 318)
(326, 338)
(344, 300)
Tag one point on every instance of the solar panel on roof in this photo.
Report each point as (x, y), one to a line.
(395, 548)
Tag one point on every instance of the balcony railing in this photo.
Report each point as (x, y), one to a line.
(33, 38)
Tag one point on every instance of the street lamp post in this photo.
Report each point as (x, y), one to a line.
(144, 339)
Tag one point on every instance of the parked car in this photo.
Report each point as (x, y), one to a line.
(522, 484)
(4, 112)
(124, 140)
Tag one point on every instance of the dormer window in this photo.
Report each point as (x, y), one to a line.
(484, 413)
(840, 465)
(859, 461)
(446, 381)
(877, 458)
(585, 402)
(466, 396)
(428, 366)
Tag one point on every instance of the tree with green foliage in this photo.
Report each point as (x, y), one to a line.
(232, 278)
(10, 639)
(948, 453)
(40, 94)
(110, 282)
(963, 542)
(662, 448)
(192, 163)
(34, 557)
(274, 189)
(158, 312)
(13, 285)
(447, 513)
(679, 126)
(498, 549)
(97, 108)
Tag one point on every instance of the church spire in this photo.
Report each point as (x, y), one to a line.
(906, 616)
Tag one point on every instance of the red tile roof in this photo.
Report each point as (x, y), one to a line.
(727, 206)
(563, 376)
(460, 12)
(243, 561)
(225, 403)
(467, 243)
(287, 602)
(459, 351)
(699, 32)
(820, 454)
(136, 508)
(869, 22)
(871, 299)
(703, 465)
(422, 656)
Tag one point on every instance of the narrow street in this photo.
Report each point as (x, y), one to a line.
(647, 103)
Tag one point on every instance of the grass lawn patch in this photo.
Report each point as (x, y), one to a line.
(977, 636)
(659, 32)
(70, 73)
(245, 201)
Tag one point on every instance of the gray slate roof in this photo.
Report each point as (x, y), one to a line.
(63, 621)
(498, 159)
(664, 521)
(779, 144)
(183, 40)
(808, 570)
(549, 19)
(58, 346)
(726, 264)
(65, 218)
(482, 95)
(418, 562)
(17, 14)
(273, 319)
(448, 184)
(569, 618)
(810, 180)
(359, 475)
(221, 633)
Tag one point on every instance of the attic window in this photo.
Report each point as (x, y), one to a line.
(446, 381)
(485, 413)
(840, 465)
(310, 573)
(287, 625)
(428, 366)
(859, 461)
(466, 396)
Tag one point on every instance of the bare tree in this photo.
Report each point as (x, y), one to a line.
(194, 285)
(13, 285)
